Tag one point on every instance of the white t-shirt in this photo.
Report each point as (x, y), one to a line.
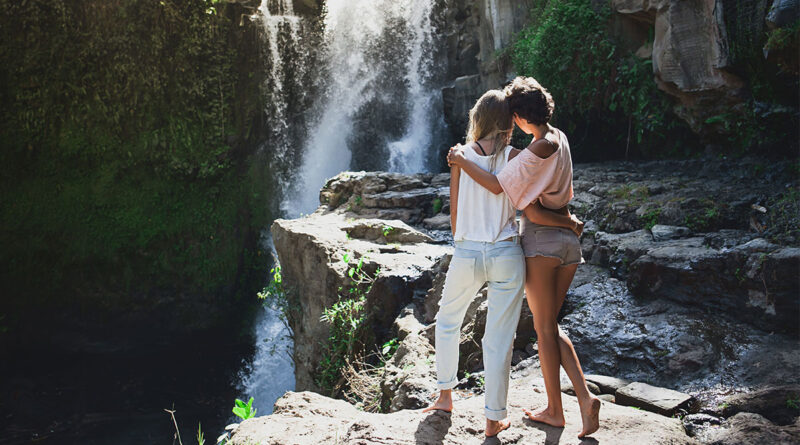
(482, 215)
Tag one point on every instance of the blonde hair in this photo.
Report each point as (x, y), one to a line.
(491, 118)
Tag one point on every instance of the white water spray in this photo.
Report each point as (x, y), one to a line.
(271, 372)
(354, 29)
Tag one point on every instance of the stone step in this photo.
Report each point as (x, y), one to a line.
(652, 398)
(607, 384)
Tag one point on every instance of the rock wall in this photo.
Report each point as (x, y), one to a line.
(690, 53)
(477, 32)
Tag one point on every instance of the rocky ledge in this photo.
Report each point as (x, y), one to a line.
(687, 309)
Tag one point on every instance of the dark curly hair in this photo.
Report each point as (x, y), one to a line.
(529, 100)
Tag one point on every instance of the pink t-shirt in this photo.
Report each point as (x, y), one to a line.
(528, 177)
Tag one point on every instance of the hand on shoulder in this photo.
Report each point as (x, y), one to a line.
(456, 155)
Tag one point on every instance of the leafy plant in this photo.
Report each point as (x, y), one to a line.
(793, 402)
(389, 348)
(650, 217)
(437, 205)
(348, 325)
(244, 410)
(200, 438)
(599, 89)
(387, 230)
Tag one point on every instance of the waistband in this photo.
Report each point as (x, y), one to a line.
(483, 245)
(527, 224)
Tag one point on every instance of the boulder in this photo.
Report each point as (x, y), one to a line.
(779, 403)
(700, 426)
(606, 384)
(652, 398)
(690, 55)
(567, 388)
(754, 429)
(757, 275)
(440, 221)
(663, 232)
(409, 379)
(314, 246)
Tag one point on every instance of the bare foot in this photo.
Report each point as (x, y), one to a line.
(590, 413)
(546, 416)
(495, 426)
(443, 403)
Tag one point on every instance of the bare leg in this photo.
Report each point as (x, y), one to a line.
(443, 403)
(540, 290)
(493, 427)
(589, 404)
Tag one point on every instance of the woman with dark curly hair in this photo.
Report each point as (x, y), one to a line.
(541, 176)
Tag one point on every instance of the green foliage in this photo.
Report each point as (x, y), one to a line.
(783, 38)
(793, 402)
(783, 213)
(119, 130)
(596, 85)
(386, 230)
(437, 205)
(244, 410)
(274, 293)
(348, 326)
(200, 437)
(635, 195)
(389, 348)
(705, 218)
(650, 217)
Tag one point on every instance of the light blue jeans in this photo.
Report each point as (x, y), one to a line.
(474, 263)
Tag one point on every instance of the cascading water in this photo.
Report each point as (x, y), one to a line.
(375, 105)
(378, 109)
(271, 372)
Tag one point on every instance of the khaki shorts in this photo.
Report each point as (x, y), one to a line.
(552, 242)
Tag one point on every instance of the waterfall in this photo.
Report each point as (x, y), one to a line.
(379, 107)
(363, 95)
(271, 372)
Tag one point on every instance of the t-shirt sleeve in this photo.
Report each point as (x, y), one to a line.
(522, 179)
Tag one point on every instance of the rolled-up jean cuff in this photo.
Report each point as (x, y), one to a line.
(447, 385)
(495, 414)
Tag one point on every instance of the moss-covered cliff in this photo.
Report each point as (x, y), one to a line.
(131, 188)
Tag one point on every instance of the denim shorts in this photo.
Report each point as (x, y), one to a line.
(552, 242)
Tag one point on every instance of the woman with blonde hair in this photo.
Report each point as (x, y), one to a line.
(487, 250)
(541, 176)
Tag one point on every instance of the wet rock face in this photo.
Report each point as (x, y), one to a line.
(754, 429)
(669, 344)
(657, 226)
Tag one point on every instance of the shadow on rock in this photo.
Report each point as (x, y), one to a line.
(433, 428)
